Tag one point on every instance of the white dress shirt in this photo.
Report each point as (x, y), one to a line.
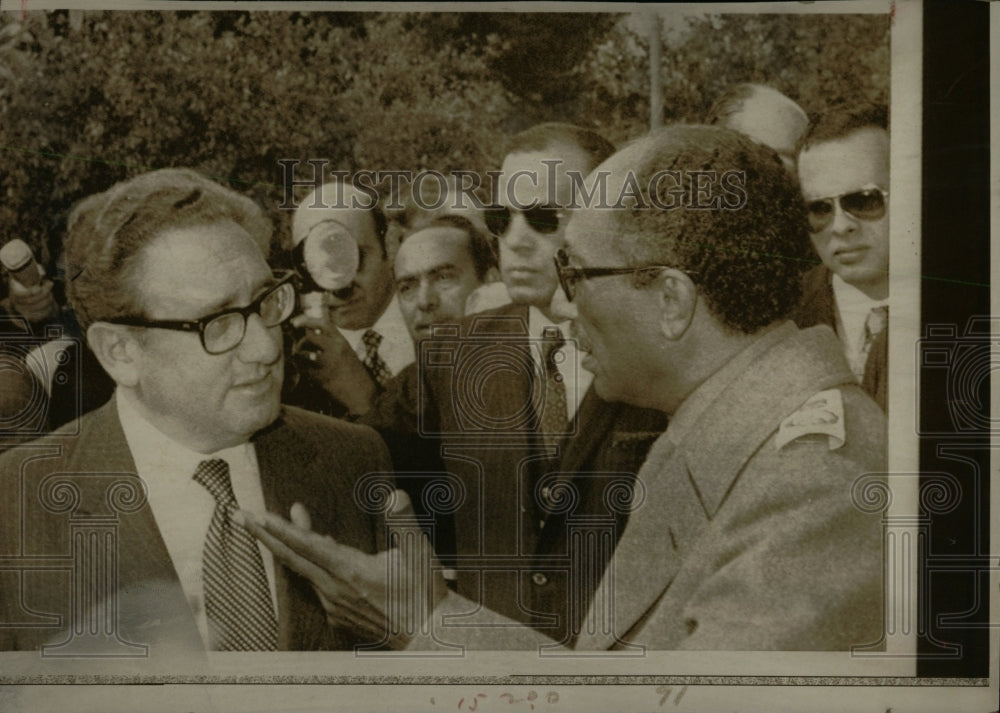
(575, 377)
(181, 506)
(396, 349)
(853, 308)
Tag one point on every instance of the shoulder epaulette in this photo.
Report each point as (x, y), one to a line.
(822, 414)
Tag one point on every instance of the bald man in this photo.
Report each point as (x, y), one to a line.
(763, 114)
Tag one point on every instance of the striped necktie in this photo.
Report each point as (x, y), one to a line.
(237, 596)
(374, 363)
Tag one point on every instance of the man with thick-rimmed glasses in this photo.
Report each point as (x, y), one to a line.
(170, 284)
(844, 175)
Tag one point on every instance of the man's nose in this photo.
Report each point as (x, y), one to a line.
(520, 237)
(843, 222)
(260, 344)
(427, 296)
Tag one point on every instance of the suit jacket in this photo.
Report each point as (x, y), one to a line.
(302, 457)
(477, 401)
(746, 540)
(819, 306)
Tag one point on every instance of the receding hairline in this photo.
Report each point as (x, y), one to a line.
(560, 150)
(877, 131)
(454, 230)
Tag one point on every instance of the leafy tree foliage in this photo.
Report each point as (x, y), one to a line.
(90, 98)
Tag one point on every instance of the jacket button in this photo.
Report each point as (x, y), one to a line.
(540, 579)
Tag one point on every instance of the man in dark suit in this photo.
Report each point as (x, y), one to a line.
(844, 175)
(536, 452)
(171, 286)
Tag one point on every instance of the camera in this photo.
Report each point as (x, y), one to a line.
(497, 379)
(30, 366)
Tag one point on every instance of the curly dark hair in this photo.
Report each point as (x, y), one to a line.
(747, 252)
(106, 237)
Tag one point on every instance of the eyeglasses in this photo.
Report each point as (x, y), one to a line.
(865, 204)
(224, 330)
(570, 277)
(542, 219)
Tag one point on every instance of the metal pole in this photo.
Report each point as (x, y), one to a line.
(655, 88)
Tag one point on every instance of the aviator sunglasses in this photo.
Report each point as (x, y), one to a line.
(542, 219)
(865, 204)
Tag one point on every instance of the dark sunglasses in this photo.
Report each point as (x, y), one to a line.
(542, 219)
(223, 331)
(570, 276)
(866, 204)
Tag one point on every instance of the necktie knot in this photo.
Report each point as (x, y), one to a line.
(552, 342)
(876, 321)
(371, 339)
(373, 362)
(214, 476)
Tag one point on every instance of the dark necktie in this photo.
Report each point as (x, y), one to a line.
(875, 324)
(372, 361)
(237, 597)
(874, 379)
(555, 418)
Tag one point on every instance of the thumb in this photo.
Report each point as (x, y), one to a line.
(300, 516)
(401, 506)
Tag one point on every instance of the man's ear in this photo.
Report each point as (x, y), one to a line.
(678, 297)
(117, 349)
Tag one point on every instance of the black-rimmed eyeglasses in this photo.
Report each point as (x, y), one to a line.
(570, 276)
(224, 330)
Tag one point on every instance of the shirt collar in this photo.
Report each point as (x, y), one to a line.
(537, 322)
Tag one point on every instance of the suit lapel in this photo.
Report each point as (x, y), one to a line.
(650, 552)
(144, 565)
(595, 416)
(817, 306)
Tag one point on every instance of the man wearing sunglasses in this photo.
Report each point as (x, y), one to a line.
(170, 284)
(844, 175)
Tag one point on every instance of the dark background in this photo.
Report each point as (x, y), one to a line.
(955, 596)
